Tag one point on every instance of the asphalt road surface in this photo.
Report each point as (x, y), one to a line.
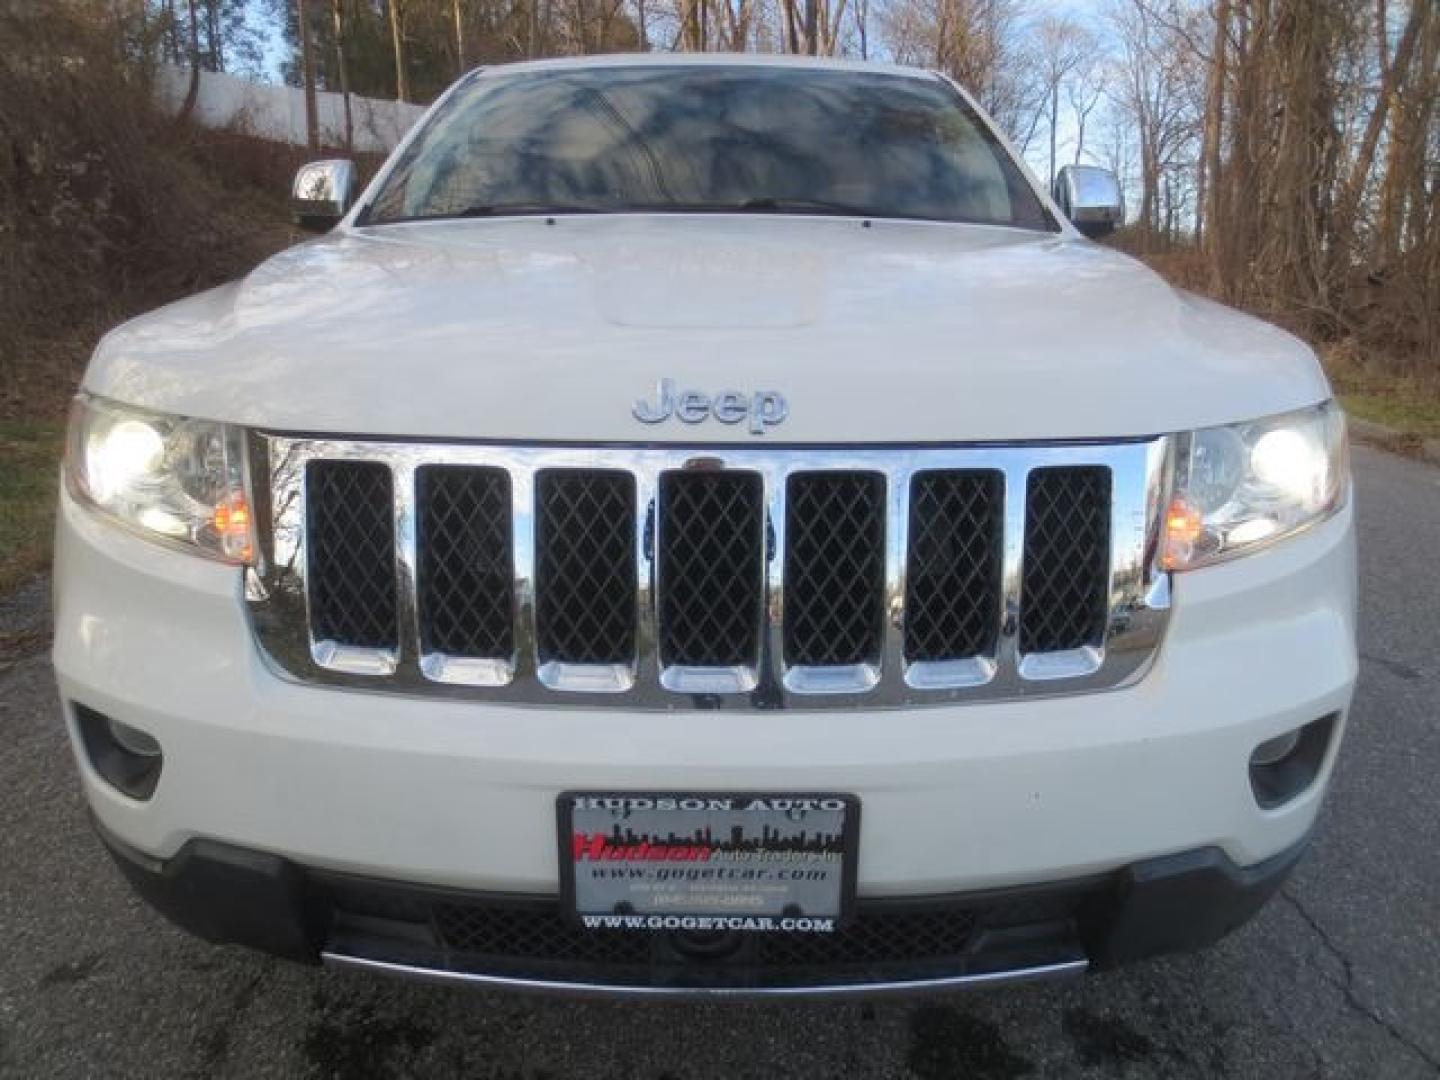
(1339, 976)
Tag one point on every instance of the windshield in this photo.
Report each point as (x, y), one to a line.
(697, 139)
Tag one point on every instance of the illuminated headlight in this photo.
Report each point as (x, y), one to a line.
(171, 479)
(1239, 488)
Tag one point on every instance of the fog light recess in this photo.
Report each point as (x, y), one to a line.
(1286, 765)
(126, 758)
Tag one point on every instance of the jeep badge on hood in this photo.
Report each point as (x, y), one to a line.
(763, 409)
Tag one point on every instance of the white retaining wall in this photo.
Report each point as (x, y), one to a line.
(278, 112)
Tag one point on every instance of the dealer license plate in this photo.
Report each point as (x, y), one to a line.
(702, 862)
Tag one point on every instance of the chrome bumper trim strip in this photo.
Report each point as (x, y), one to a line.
(898, 988)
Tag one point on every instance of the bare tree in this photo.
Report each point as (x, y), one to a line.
(192, 91)
(342, 68)
(978, 43)
(459, 36)
(307, 64)
(1061, 46)
(1156, 89)
(1084, 94)
(1208, 192)
(397, 38)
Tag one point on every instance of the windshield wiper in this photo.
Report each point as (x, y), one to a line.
(784, 204)
(522, 208)
(769, 204)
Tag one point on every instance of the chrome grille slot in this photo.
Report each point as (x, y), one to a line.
(834, 568)
(711, 568)
(351, 553)
(585, 566)
(466, 582)
(952, 598)
(1067, 556)
(744, 577)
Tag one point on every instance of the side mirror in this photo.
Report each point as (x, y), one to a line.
(323, 193)
(1090, 197)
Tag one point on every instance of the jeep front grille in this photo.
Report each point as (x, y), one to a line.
(716, 577)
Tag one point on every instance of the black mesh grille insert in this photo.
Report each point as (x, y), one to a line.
(477, 932)
(585, 566)
(918, 931)
(349, 508)
(834, 567)
(533, 933)
(952, 600)
(711, 568)
(466, 570)
(894, 936)
(1067, 559)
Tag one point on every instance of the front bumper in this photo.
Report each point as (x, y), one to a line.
(957, 800)
(231, 895)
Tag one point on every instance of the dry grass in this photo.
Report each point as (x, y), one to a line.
(29, 464)
(1375, 390)
(1379, 376)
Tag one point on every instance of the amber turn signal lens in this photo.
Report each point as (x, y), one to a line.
(232, 525)
(1184, 525)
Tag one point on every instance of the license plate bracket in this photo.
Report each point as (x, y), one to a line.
(706, 861)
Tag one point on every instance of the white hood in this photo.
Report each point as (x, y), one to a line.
(522, 330)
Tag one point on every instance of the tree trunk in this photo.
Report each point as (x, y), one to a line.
(214, 35)
(397, 39)
(1405, 153)
(833, 24)
(1208, 204)
(192, 92)
(1054, 124)
(459, 37)
(337, 16)
(172, 31)
(307, 64)
(1347, 204)
(792, 26)
(1242, 195)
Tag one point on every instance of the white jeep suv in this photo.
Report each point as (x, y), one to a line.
(705, 526)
